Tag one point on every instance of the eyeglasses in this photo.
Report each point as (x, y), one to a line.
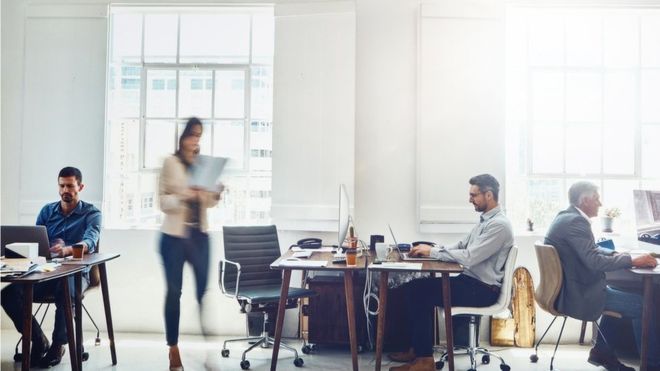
(473, 195)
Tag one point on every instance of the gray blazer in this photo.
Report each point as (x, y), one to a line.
(582, 294)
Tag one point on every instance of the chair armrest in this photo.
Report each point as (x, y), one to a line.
(222, 266)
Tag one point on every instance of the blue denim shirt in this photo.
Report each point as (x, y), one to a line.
(83, 224)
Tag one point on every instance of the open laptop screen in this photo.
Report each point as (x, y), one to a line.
(25, 233)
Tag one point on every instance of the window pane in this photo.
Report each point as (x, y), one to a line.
(619, 149)
(650, 151)
(124, 91)
(123, 146)
(161, 93)
(230, 94)
(583, 144)
(119, 200)
(583, 40)
(126, 38)
(547, 96)
(545, 200)
(547, 149)
(160, 38)
(263, 27)
(215, 38)
(621, 36)
(262, 92)
(228, 141)
(583, 97)
(650, 40)
(159, 142)
(205, 147)
(194, 97)
(620, 96)
(650, 96)
(546, 45)
(261, 146)
(146, 200)
(619, 193)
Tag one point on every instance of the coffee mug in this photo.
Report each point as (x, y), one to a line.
(78, 251)
(383, 250)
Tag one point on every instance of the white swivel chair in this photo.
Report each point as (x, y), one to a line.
(475, 314)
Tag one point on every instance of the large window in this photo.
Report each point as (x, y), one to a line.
(168, 64)
(583, 103)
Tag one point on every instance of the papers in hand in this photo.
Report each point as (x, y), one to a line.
(205, 172)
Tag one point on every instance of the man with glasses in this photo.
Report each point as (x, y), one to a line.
(483, 254)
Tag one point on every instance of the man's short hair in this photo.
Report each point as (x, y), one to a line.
(486, 182)
(581, 190)
(70, 171)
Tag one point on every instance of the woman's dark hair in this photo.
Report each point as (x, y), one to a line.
(188, 132)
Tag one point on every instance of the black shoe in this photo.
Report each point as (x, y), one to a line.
(607, 360)
(53, 357)
(39, 349)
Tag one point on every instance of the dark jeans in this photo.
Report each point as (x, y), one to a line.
(423, 295)
(12, 302)
(175, 252)
(630, 306)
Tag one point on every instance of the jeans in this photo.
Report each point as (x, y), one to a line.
(12, 302)
(175, 252)
(630, 306)
(423, 295)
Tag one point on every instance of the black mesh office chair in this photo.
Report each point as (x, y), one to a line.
(245, 275)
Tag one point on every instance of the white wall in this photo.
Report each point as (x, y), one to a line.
(385, 159)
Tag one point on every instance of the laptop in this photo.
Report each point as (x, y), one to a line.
(24, 233)
(404, 255)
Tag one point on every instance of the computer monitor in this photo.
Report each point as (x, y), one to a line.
(344, 216)
(647, 215)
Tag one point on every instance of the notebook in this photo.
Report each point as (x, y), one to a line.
(404, 255)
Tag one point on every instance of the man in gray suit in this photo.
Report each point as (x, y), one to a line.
(584, 293)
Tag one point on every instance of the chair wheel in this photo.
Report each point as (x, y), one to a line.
(504, 367)
(485, 359)
(97, 342)
(18, 357)
(471, 369)
(225, 353)
(85, 356)
(298, 362)
(306, 349)
(534, 358)
(245, 364)
(439, 365)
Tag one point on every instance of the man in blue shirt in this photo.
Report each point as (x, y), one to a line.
(68, 221)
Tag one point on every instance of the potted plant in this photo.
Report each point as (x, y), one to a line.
(608, 218)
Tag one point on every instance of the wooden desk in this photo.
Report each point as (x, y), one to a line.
(362, 263)
(427, 266)
(28, 282)
(647, 276)
(88, 261)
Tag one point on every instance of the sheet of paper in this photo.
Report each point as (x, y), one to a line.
(398, 265)
(297, 263)
(206, 171)
(320, 249)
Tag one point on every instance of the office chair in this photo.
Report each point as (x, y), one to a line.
(475, 314)
(245, 275)
(94, 282)
(551, 280)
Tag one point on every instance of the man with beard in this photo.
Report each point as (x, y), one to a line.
(483, 254)
(69, 221)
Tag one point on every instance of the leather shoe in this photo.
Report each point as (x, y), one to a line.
(39, 349)
(419, 364)
(607, 360)
(175, 359)
(53, 357)
(402, 356)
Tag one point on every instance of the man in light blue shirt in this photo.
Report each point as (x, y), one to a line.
(482, 253)
(68, 221)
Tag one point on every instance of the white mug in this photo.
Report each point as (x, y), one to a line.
(383, 250)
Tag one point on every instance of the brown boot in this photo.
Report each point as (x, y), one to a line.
(419, 364)
(402, 356)
(175, 359)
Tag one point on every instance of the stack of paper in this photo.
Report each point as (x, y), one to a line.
(16, 266)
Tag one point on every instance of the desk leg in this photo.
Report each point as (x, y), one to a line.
(284, 293)
(350, 316)
(446, 303)
(69, 326)
(108, 313)
(380, 328)
(646, 320)
(77, 278)
(27, 324)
